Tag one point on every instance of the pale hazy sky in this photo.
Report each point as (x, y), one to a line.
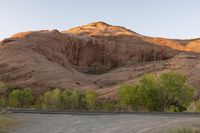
(164, 18)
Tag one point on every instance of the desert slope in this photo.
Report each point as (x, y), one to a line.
(97, 55)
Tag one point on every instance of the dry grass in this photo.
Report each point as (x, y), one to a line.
(6, 122)
(182, 129)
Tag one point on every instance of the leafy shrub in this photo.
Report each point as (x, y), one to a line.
(106, 105)
(20, 98)
(5, 89)
(13, 99)
(91, 99)
(75, 100)
(173, 109)
(52, 99)
(129, 97)
(194, 106)
(175, 91)
(151, 93)
(70, 99)
(26, 97)
(2, 102)
(82, 104)
(38, 103)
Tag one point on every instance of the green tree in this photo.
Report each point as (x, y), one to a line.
(2, 102)
(67, 100)
(75, 100)
(52, 99)
(20, 98)
(13, 99)
(25, 97)
(5, 89)
(91, 99)
(175, 92)
(168, 92)
(38, 103)
(82, 105)
(129, 97)
(150, 92)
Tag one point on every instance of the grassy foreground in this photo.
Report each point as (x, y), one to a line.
(6, 122)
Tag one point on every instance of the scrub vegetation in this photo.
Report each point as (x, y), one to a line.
(165, 93)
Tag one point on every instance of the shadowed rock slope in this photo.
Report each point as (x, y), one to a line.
(97, 55)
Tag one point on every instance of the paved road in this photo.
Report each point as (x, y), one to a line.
(117, 123)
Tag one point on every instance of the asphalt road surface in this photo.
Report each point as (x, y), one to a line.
(116, 123)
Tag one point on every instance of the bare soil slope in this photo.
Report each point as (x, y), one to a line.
(97, 55)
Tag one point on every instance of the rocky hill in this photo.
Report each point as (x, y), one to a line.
(97, 55)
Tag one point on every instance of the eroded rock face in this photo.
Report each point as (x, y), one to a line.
(96, 56)
(109, 47)
(104, 55)
(193, 46)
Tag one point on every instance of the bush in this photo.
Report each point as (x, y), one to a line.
(20, 98)
(2, 102)
(106, 105)
(66, 99)
(13, 99)
(91, 99)
(82, 105)
(176, 92)
(173, 109)
(129, 97)
(150, 92)
(38, 103)
(5, 89)
(75, 100)
(26, 97)
(70, 100)
(52, 99)
(194, 106)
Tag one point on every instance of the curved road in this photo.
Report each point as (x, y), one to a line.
(116, 123)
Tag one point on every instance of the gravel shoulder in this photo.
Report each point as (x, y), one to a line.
(116, 123)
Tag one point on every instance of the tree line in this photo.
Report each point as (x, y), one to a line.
(167, 92)
(57, 99)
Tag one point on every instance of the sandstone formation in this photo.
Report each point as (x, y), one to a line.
(97, 55)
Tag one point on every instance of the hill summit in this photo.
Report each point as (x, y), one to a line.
(100, 29)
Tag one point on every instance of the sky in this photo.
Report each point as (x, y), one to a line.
(157, 18)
